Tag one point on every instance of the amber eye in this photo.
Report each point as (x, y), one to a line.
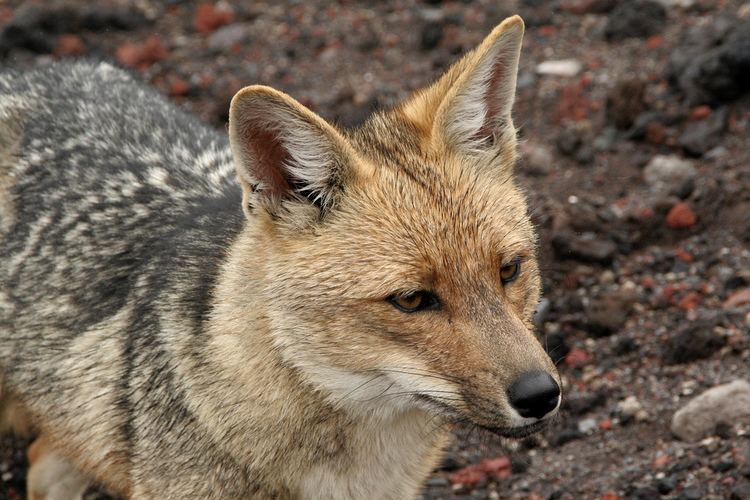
(414, 301)
(509, 273)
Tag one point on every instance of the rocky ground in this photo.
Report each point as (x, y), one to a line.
(635, 120)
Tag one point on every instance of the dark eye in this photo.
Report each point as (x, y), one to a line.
(414, 301)
(509, 273)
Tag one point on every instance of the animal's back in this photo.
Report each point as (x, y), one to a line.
(107, 195)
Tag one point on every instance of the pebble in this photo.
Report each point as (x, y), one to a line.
(738, 299)
(432, 33)
(562, 67)
(727, 402)
(740, 491)
(227, 37)
(635, 19)
(667, 174)
(537, 159)
(607, 314)
(585, 248)
(586, 425)
(681, 216)
(631, 409)
(701, 136)
(695, 341)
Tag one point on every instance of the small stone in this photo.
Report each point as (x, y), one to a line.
(432, 33)
(178, 87)
(229, 36)
(701, 136)
(728, 402)
(738, 299)
(690, 494)
(692, 342)
(586, 425)
(700, 113)
(208, 17)
(625, 102)
(740, 491)
(568, 142)
(631, 409)
(577, 357)
(564, 436)
(635, 18)
(437, 482)
(723, 466)
(666, 485)
(667, 174)
(142, 55)
(584, 248)
(562, 67)
(537, 159)
(69, 45)
(681, 216)
(607, 314)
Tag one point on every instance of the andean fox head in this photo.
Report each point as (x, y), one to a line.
(399, 266)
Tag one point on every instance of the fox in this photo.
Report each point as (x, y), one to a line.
(289, 310)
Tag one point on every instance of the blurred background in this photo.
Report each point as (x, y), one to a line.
(635, 125)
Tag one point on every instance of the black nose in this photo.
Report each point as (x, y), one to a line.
(534, 394)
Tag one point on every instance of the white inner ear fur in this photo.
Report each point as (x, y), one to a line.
(309, 155)
(481, 107)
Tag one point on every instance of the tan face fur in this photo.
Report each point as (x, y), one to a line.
(420, 198)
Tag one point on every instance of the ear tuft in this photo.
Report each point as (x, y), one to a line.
(283, 151)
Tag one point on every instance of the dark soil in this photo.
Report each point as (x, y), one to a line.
(643, 280)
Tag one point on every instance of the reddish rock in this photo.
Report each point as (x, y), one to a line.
(69, 45)
(737, 299)
(656, 133)
(654, 42)
(142, 55)
(689, 301)
(547, 30)
(700, 113)
(470, 475)
(681, 216)
(208, 18)
(476, 473)
(605, 425)
(660, 460)
(611, 495)
(178, 87)
(684, 255)
(498, 467)
(577, 357)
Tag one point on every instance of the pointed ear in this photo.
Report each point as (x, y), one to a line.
(469, 108)
(284, 153)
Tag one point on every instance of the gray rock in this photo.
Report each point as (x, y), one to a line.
(712, 62)
(585, 248)
(701, 136)
(537, 159)
(668, 174)
(723, 403)
(227, 36)
(635, 18)
(586, 425)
